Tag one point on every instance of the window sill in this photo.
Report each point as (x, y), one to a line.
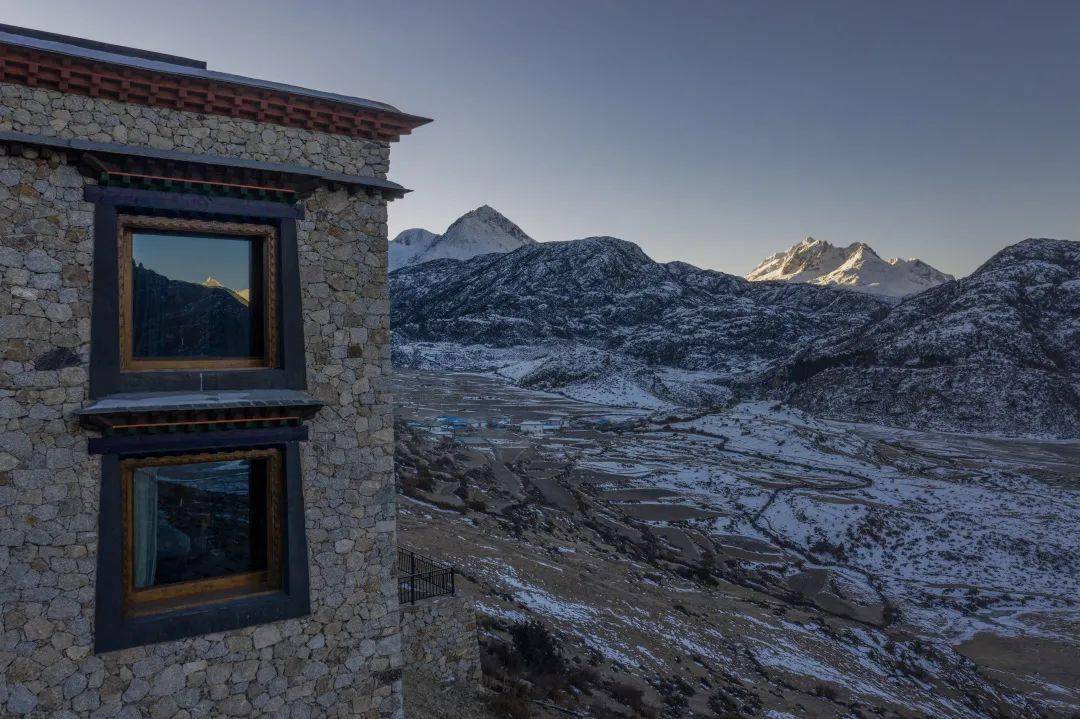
(150, 411)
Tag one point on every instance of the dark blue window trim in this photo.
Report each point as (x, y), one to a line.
(105, 375)
(115, 631)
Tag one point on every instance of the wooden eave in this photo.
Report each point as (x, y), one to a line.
(133, 165)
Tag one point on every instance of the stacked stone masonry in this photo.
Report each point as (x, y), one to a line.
(344, 659)
(439, 637)
(55, 114)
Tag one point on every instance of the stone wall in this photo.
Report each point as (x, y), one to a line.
(344, 660)
(55, 114)
(439, 637)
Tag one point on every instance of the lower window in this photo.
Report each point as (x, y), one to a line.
(200, 528)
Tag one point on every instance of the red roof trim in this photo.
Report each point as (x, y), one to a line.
(81, 76)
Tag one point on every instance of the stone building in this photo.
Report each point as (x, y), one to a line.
(196, 491)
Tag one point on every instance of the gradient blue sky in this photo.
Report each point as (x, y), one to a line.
(195, 259)
(715, 133)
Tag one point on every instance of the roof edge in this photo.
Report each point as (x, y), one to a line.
(102, 46)
(386, 121)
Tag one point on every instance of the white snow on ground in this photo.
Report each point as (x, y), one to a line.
(539, 600)
(780, 645)
(616, 391)
(961, 546)
(784, 655)
(856, 673)
(509, 362)
(958, 538)
(511, 615)
(577, 372)
(610, 651)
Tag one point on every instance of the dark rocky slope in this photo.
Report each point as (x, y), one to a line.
(186, 319)
(997, 351)
(607, 294)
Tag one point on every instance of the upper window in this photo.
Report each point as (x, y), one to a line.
(200, 528)
(196, 294)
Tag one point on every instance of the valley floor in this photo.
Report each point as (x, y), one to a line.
(755, 561)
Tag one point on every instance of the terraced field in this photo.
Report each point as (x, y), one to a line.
(755, 561)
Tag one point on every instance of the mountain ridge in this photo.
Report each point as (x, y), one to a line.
(856, 267)
(599, 313)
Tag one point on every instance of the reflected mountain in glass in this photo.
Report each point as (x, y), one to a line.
(191, 297)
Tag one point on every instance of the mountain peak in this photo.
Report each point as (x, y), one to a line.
(993, 352)
(477, 232)
(415, 236)
(861, 250)
(855, 267)
(484, 211)
(487, 223)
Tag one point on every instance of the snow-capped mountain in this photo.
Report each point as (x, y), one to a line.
(855, 267)
(997, 351)
(408, 245)
(480, 232)
(243, 295)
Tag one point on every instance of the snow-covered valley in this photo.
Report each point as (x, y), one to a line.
(756, 554)
(703, 485)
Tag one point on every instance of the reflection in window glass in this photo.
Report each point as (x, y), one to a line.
(195, 296)
(197, 521)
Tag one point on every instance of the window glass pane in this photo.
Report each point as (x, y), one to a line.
(197, 521)
(195, 296)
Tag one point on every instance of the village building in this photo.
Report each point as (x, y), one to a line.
(532, 426)
(196, 437)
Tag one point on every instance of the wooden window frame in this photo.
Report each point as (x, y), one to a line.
(127, 225)
(169, 597)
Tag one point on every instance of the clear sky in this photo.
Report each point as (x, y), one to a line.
(711, 132)
(195, 259)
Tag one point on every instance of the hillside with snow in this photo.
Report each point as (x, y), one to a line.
(598, 315)
(598, 320)
(906, 561)
(479, 232)
(998, 350)
(855, 267)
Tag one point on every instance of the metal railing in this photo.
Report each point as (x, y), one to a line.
(421, 577)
